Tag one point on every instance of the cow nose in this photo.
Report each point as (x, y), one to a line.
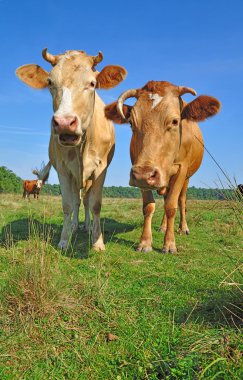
(142, 172)
(146, 174)
(65, 123)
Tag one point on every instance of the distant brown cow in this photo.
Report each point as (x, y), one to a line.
(32, 187)
(240, 189)
(166, 149)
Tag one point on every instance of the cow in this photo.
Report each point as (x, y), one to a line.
(239, 191)
(166, 149)
(82, 139)
(32, 187)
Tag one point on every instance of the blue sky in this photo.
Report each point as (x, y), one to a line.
(193, 43)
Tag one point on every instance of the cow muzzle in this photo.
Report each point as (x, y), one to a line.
(67, 129)
(145, 177)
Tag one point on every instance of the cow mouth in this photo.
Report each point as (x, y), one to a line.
(143, 185)
(69, 139)
(150, 184)
(160, 190)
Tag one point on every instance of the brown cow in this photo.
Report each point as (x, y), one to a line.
(32, 187)
(240, 189)
(82, 139)
(166, 149)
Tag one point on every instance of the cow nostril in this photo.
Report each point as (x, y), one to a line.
(153, 177)
(73, 122)
(55, 122)
(155, 174)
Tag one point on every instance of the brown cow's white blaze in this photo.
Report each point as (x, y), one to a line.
(82, 139)
(166, 149)
(39, 183)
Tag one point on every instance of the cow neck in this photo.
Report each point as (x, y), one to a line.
(90, 126)
(180, 125)
(84, 136)
(83, 141)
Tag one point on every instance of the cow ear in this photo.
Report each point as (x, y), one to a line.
(201, 108)
(111, 113)
(111, 76)
(33, 75)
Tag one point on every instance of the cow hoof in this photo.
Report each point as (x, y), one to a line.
(99, 247)
(169, 250)
(63, 244)
(184, 232)
(162, 229)
(141, 248)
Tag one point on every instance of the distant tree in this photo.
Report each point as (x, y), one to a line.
(51, 189)
(9, 182)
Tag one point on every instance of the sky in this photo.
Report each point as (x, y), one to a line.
(197, 44)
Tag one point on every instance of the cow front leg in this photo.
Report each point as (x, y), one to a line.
(163, 225)
(169, 240)
(145, 244)
(171, 203)
(86, 226)
(95, 200)
(183, 227)
(76, 206)
(67, 206)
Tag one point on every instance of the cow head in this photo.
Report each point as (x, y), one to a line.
(72, 83)
(39, 183)
(157, 125)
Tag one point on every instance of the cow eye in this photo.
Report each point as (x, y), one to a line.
(93, 84)
(175, 122)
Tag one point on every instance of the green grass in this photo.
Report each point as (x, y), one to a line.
(172, 316)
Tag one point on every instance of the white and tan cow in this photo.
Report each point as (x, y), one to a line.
(82, 140)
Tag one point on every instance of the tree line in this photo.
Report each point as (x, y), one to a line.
(11, 183)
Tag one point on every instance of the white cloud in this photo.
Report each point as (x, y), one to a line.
(21, 131)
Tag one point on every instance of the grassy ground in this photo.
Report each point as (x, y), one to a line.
(121, 314)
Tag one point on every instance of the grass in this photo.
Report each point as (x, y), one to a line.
(121, 314)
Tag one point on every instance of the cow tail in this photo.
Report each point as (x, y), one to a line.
(43, 174)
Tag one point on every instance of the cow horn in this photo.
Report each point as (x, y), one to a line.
(186, 90)
(49, 57)
(125, 95)
(97, 58)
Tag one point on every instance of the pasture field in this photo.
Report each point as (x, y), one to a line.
(120, 314)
